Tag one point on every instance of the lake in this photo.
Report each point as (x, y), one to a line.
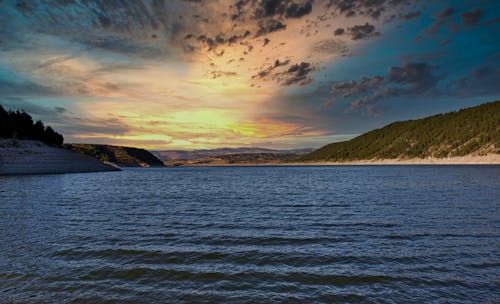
(319, 234)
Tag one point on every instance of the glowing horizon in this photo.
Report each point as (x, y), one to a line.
(274, 74)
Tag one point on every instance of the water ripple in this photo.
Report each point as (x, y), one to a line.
(404, 234)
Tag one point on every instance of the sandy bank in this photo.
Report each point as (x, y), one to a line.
(34, 157)
(489, 159)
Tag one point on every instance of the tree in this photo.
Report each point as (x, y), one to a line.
(20, 125)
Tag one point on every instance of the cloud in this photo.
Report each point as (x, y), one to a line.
(445, 42)
(410, 79)
(445, 13)
(296, 74)
(65, 121)
(339, 31)
(76, 127)
(24, 88)
(472, 17)
(269, 26)
(353, 87)
(20, 104)
(417, 76)
(362, 31)
(410, 15)
(295, 10)
(192, 55)
(280, 8)
(367, 8)
(443, 16)
(330, 46)
(60, 110)
(481, 81)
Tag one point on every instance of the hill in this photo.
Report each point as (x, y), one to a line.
(471, 131)
(169, 155)
(241, 159)
(121, 156)
(22, 156)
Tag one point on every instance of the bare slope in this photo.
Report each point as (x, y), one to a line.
(121, 156)
(35, 157)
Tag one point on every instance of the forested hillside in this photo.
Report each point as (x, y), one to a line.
(473, 130)
(20, 125)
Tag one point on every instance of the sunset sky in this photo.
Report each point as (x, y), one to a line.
(267, 73)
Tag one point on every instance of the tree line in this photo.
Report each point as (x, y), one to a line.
(20, 125)
(472, 130)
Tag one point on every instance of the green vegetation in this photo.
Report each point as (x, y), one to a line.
(122, 156)
(20, 125)
(474, 130)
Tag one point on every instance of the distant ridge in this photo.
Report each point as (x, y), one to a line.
(121, 156)
(471, 131)
(167, 155)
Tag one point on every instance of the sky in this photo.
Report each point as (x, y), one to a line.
(201, 74)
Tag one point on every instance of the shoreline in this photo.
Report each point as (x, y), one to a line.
(29, 157)
(489, 159)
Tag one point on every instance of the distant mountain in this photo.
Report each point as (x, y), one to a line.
(121, 156)
(242, 159)
(471, 131)
(167, 155)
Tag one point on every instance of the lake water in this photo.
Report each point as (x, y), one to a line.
(353, 234)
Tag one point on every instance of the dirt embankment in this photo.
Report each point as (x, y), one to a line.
(34, 157)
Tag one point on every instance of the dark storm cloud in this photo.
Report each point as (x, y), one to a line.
(472, 17)
(411, 79)
(362, 31)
